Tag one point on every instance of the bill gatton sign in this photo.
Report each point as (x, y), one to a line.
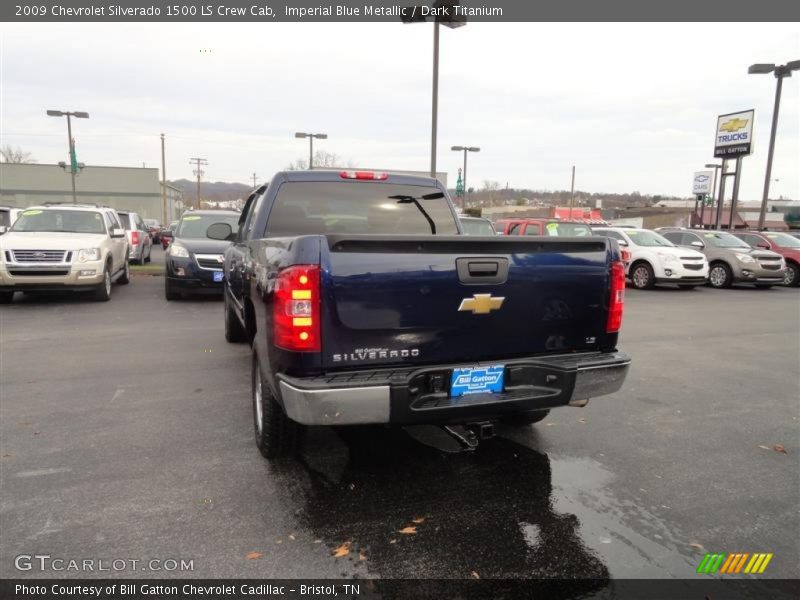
(734, 135)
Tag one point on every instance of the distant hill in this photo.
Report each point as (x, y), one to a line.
(212, 191)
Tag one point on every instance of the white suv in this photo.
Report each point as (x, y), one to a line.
(59, 247)
(654, 259)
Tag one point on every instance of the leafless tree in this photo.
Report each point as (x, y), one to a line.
(17, 155)
(322, 160)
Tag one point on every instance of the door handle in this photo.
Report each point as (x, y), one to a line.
(482, 270)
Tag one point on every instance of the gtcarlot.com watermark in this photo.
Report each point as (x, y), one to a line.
(46, 562)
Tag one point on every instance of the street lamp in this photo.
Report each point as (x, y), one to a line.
(446, 15)
(780, 72)
(311, 136)
(73, 159)
(464, 149)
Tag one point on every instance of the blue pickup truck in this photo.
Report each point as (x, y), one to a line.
(365, 303)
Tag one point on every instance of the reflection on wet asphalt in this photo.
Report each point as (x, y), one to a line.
(489, 513)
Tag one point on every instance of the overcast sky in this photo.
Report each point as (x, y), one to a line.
(634, 106)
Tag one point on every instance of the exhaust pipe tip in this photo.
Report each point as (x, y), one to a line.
(579, 403)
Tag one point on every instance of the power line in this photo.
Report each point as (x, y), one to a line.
(199, 162)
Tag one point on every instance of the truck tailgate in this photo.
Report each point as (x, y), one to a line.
(427, 300)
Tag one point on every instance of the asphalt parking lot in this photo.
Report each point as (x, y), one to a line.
(126, 433)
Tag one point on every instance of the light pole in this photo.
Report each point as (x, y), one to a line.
(446, 15)
(572, 193)
(780, 72)
(464, 149)
(311, 136)
(717, 180)
(73, 159)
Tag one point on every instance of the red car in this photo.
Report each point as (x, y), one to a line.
(167, 234)
(784, 244)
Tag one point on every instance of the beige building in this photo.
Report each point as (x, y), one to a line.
(134, 189)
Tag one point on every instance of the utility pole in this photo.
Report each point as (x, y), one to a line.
(572, 193)
(165, 222)
(254, 180)
(73, 158)
(199, 162)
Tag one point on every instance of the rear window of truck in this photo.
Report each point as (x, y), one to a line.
(319, 207)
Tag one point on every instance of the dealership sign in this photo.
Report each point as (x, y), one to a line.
(734, 135)
(703, 182)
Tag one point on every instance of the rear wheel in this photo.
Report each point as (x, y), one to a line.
(642, 276)
(276, 434)
(526, 418)
(234, 332)
(719, 276)
(125, 278)
(102, 292)
(792, 276)
(170, 291)
(6, 297)
(149, 253)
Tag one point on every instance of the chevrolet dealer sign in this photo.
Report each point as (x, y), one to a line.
(734, 135)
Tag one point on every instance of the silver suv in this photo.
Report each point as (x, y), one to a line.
(57, 247)
(139, 240)
(730, 259)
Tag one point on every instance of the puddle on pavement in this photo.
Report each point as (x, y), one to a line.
(407, 506)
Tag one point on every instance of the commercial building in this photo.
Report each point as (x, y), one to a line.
(135, 189)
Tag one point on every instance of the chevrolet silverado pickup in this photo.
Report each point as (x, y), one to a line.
(365, 303)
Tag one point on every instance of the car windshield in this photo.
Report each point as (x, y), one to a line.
(724, 240)
(556, 229)
(62, 220)
(195, 226)
(783, 240)
(642, 237)
(309, 208)
(477, 227)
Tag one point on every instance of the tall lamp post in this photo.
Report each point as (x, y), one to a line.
(73, 159)
(311, 136)
(448, 18)
(464, 149)
(780, 72)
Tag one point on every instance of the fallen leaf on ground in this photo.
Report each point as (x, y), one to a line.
(317, 541)
(583, 419)
(779, 448)
(291, 537)
(342, 550)
(698, 546)
(392, 541)
(362, 556)
(254, 555)
(418, 520)
(474, 575)
(410, 530)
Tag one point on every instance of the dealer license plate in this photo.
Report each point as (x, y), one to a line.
(477, 380)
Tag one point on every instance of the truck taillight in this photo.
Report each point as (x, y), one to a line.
(617, 300)
(363, 175)
(134, 238)
(296, 309)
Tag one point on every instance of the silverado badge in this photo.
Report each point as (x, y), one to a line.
(481, 304)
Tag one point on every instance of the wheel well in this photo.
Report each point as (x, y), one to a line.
(639, 261)
(714, 263)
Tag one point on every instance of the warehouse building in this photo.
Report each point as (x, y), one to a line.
(134, 189)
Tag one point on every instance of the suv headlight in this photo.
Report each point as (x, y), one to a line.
(745, 258)
(88, 254)
(178, 251)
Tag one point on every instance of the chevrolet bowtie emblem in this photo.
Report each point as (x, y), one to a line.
(481, 304)
(733, 125)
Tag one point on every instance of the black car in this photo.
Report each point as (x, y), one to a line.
(194, 260)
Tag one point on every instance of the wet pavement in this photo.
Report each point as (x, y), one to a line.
(126, 433)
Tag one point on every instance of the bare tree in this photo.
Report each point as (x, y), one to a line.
(15, 155)
(322, 160)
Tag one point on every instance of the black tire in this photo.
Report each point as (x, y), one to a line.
(234, 332)
(276, 434)
(719, 276)
(170, 292)
(125, 278)
(686, 286)
(6, 297)
(526, 418)
(792, 277)
(149, 255)
(642, 277)
(102, 293)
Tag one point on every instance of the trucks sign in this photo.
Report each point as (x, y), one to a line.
(734, 135)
